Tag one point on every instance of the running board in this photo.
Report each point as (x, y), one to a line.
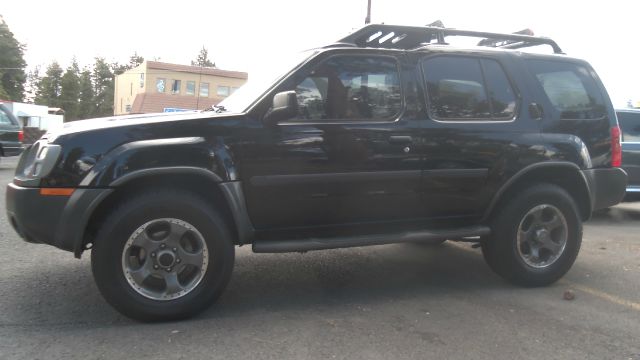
(301, 245)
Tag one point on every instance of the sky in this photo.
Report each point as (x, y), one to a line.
(248, 35)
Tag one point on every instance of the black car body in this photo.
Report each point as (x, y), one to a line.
(10, 133)
(629, 120)
(362, 142)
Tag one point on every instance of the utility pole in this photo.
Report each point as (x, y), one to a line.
(368, 18)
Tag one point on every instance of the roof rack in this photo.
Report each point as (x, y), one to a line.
(411, 37)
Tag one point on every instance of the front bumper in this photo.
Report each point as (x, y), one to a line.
(55, 220)
(607, 186)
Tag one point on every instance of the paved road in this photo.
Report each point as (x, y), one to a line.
(386, 302)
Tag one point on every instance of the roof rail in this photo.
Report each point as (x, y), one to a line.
(410, 37)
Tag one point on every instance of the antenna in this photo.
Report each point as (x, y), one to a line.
(367, 20)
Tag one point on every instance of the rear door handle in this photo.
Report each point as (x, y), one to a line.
(400, 139)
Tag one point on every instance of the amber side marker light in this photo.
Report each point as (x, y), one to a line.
(56, 191)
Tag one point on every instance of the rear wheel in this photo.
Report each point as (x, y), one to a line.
(536, 237)
(163, 255)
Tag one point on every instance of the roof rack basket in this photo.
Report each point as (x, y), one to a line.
(411, 37)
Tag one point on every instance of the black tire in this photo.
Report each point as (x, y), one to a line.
(500, 250)
(106, 255)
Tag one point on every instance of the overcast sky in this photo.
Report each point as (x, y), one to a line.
(242, 34)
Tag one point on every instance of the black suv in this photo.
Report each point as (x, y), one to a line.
(390, 135)
(630, 125)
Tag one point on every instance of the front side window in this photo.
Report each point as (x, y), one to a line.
(570, 89)
(630, 126)
(460, 88)
(350, 88)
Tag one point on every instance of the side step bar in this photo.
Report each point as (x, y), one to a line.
(301, 245)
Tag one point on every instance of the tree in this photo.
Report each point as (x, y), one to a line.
(70, 91)
(102, 78)
(31, 91)
(86, 107)
(50, 86)
(203, 59)
(135, 60)
(12, 65)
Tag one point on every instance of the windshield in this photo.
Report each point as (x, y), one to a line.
(267, 74)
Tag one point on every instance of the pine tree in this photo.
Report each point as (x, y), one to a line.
(70, 91)
(135, 60)
(50, 86)
(12, 65)
(31, 91)
(203, 59)
(86, 107)
(102, 78)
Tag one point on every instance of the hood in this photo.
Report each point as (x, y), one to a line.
(128, 120)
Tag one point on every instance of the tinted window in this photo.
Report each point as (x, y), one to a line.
(630, 125)
(570, 88)
(503, 98)
(350, 88)
(455, 88)
(458, 88)
(5, 119)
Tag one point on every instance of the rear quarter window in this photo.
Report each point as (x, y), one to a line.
(630, 126)
(570, 88)
(5, 119)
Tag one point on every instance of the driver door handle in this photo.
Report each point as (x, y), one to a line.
(400, 139)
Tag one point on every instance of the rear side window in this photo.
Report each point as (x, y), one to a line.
(570, 88)
(460, 88)
(5, 119)
(630, 125)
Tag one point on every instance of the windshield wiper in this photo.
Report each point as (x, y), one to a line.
(216, 108)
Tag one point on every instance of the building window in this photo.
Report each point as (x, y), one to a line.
(160, 84)
(127, 108)
(204, 89)
(191, 87)
(175, 86)
(233, 89)
(223, 91)
(141, 80)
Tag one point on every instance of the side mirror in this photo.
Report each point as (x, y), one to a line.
(285, 107)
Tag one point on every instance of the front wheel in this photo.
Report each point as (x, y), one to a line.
(535, 237)
(163, 255)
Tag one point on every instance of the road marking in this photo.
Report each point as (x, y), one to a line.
(583, 288)
(603, 295)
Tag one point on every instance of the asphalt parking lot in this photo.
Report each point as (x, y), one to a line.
(385, 302)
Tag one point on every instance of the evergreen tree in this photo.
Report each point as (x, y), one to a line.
(203, 59)
(86, 107)
(102, 88)
(135, 60)
(12, 65)
(33, 79)
(50, 86)
(70, 91)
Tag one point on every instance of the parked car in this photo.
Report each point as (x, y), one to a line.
(11, 135)
(390, 135)
(629, 120)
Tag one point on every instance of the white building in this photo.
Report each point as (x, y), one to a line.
(38, 116)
